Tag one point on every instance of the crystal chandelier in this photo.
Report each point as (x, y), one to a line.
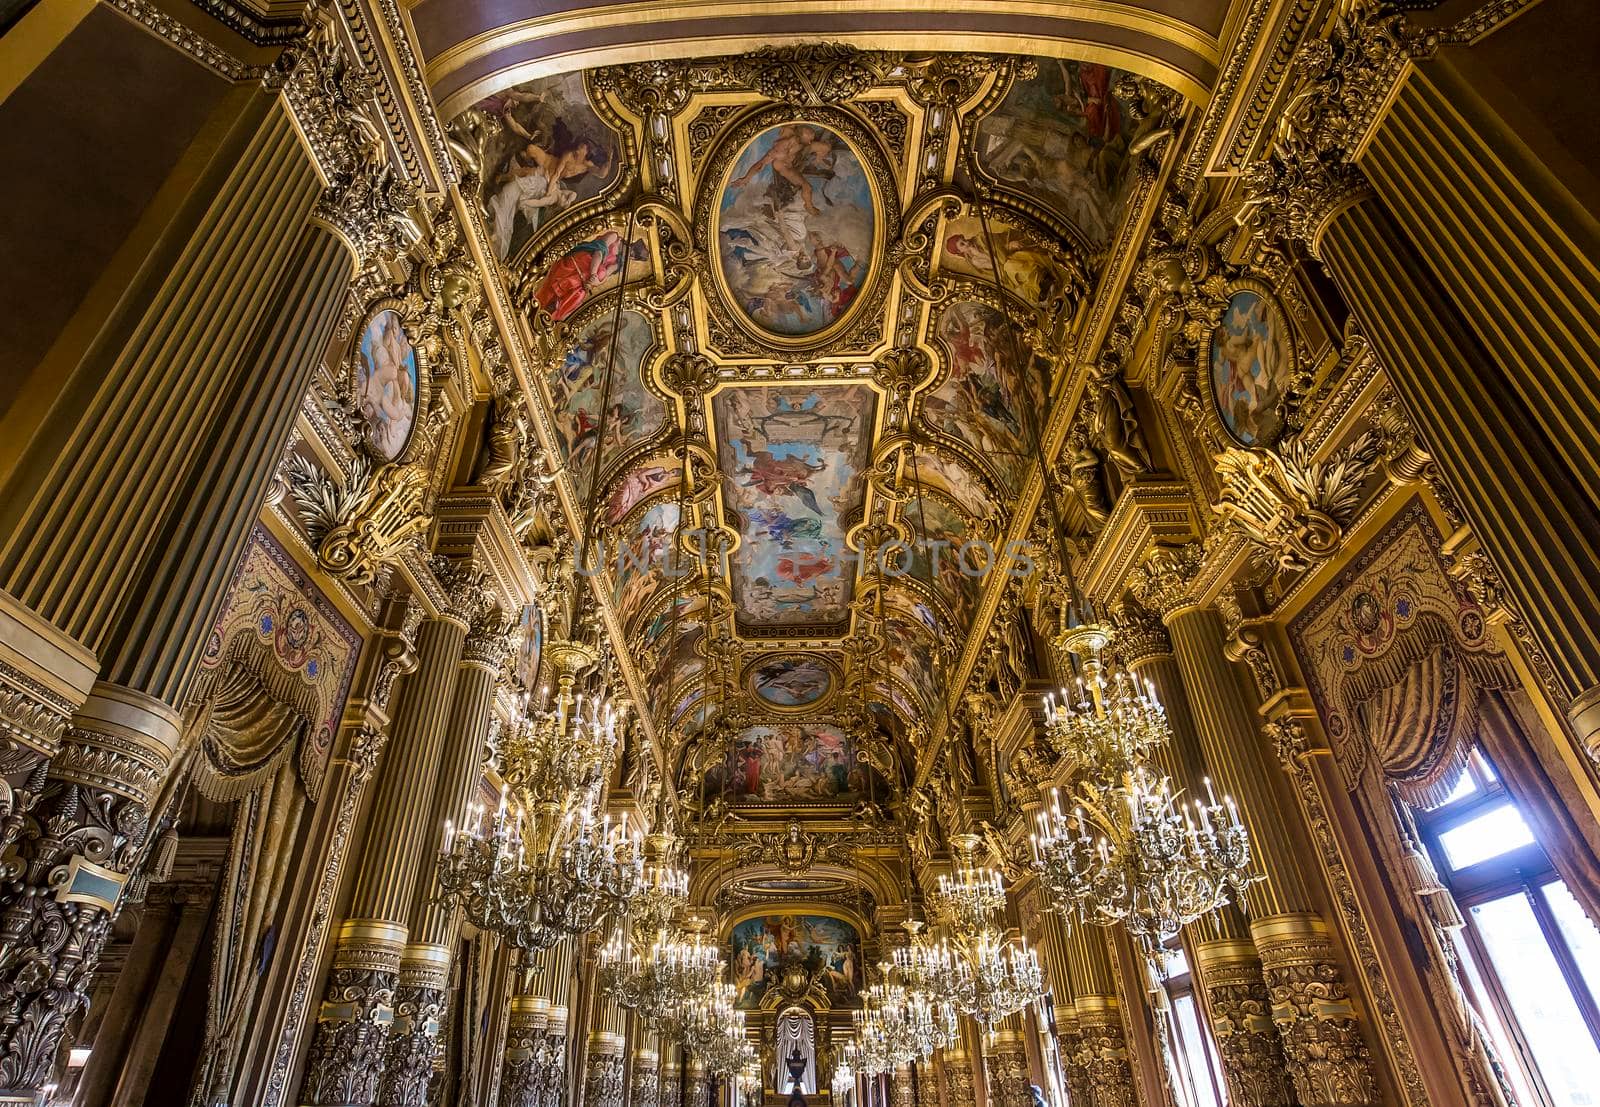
(897, 1024)
(976, 969)
(713, 1029)
(1107, 723)
(1128, 853)
(663, 982)
(648, 965)
(552, 864)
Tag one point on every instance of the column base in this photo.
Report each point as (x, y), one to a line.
(1236, 995)
(417, 1033)
(346, 1061)
(1326, 1055)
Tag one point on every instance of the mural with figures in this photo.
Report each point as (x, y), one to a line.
(793, 764)
(1252, 368)
(990, 393)
(551, 151)
(791, 459)
(762, 949)
(795, 229)
(1025, 270)
(641, 565)
(386, 384)
(944, 558)
(588, 269)
(614, 347)
(1061, 138)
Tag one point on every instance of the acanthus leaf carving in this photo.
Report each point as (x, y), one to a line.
(1290, 504)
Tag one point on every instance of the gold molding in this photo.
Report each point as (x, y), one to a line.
(1123, 17)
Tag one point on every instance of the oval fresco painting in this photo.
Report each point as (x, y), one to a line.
(791, 681)
(1252, 365)
(795, 229)
(530, 633)
(386, 384)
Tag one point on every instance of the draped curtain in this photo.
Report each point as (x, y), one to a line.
(245, 744)
(795, 1032)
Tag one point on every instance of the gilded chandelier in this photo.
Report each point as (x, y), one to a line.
(551, 864)
(897, 1024)
(1127, 853)
(650, 966)
(714, 1031)
(976, 970)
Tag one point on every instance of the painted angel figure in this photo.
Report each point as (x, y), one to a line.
(537, 178)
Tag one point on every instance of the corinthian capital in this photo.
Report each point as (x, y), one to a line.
(1345, 79)
(334, 103)
(1163, 580)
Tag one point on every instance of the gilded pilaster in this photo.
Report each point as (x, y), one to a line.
(524, 1071)
(903, 1088)
(1314, 1014)
(390, 867)
(1517, 450)
(1281, 901)
(1222, 958)
(1228, 970)
(958, 1086)
(415, 1037)
(602, 1078)
(670, 1084)
(1005, 1062)
(644, 1087)
(87, 835)
(697, 1092)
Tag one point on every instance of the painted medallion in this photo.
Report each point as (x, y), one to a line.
(386, 384)
(795, 229)
(1252, 366)
(791, 681)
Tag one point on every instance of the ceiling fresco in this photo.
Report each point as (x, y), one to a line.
(783, 321)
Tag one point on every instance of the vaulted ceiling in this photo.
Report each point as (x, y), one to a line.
(800, 311)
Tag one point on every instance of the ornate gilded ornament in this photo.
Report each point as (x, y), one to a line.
(359, 527)
(1293, 506)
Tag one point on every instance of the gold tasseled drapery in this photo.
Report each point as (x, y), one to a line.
(255, 719)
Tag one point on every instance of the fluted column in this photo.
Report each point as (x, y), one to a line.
(603, 1072)
(415, 1039)
(644, 1088)
(524, 1070)
(670, 1084)
(903, 1088)
(696, 1090)
(1480, 304)
(956, 1067)
(1102, 1042)
(348, 1053)
(1222, 956)
(1284, 926)
(1005, 1063)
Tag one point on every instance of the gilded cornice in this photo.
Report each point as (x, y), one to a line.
(190, 42)
(1148, 512)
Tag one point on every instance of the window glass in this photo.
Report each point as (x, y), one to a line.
(1538, 993)
(1582, 937)
(1192, 1043)
(1486, 836)
(1464, 788)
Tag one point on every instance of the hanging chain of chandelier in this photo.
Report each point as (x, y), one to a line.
(551, 864)
(1128, 852)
